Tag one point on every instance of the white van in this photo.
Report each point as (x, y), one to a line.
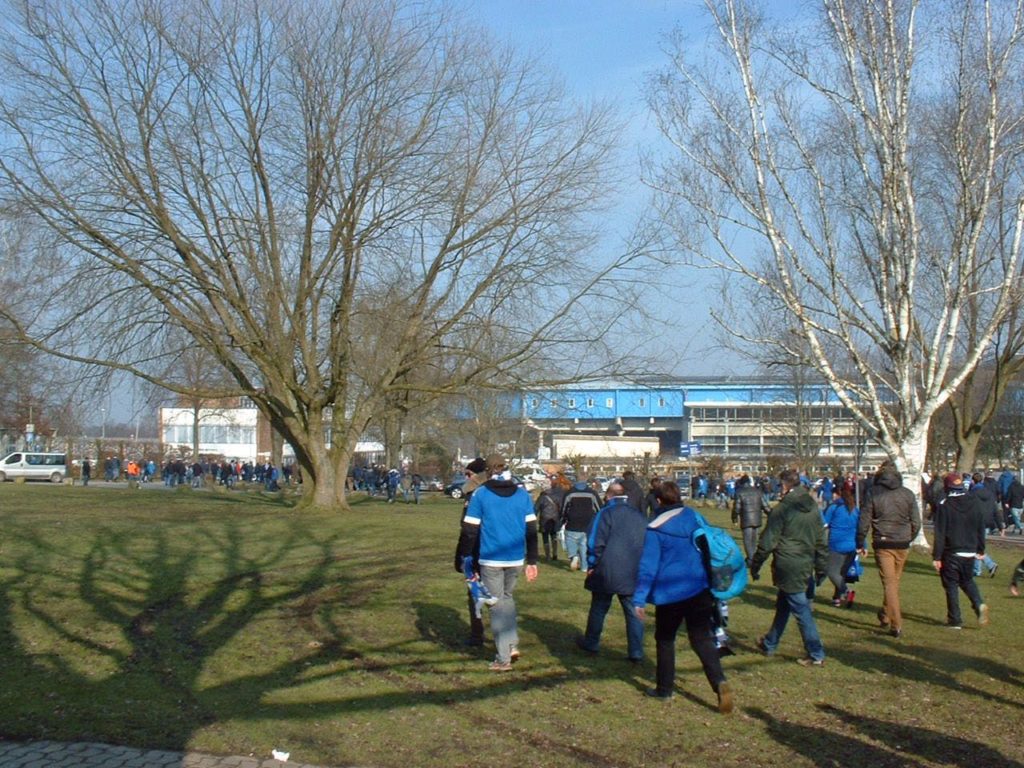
(34, 466)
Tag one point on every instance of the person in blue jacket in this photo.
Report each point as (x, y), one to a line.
(673, 575)
(841, 518)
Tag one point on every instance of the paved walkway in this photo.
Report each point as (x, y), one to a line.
(58, 754)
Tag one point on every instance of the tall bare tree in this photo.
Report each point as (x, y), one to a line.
(977, 405)
(863, 170)
(326, 196)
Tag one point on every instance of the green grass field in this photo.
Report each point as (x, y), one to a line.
(229, 623)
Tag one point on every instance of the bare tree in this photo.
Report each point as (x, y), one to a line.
(864, 171)
(202, 383)
(977, 405)
(326, 196)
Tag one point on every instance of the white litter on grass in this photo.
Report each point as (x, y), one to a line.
(277, 754)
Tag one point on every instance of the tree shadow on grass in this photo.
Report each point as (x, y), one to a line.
(923, 743)
(130, 663)
(446, 627)
(891, 745)
(934, 666)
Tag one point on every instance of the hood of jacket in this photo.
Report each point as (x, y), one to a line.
(889, 478)
(504, 488)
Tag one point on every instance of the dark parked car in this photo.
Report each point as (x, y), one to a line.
(454, 488)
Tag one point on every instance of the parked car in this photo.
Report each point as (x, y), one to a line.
(454, 488)
(432, 484)
(32, 465)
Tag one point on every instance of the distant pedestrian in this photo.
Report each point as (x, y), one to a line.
(841, 518)
(549, 514)
(615, 544)
(795, 537)
(892, 515)
(476, 475)
(959, 543)
(748, 509)
(86, 472)
(578, 511)
(1018, 577)
(1014, 503)
(632, 490)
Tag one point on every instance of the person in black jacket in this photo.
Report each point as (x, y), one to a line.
(988, 501)
(549, 514)
(959, 541)
(747, 509)
(651, 503)
(632, 490)
(578, 509)
(1018, 576)
(615, 545)
(476, 475)
(1013, 501)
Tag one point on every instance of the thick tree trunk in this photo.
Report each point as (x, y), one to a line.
(196, 406)
(323, 486)
(910, 463)
(967, 450)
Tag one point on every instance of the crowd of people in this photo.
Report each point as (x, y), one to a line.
(378, 480)
(637, 546)
(177, 471)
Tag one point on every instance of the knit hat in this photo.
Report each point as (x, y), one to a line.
(476, 466)
(952, 480)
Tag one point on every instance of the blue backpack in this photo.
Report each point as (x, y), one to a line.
(728, 574)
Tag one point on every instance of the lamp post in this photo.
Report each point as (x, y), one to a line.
(103, 428)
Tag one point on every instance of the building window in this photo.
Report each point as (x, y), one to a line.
(661, 402)
(554, 403)
(590, 402)
(609, 403)
(572, 402)
(535, 403)
(643, 402)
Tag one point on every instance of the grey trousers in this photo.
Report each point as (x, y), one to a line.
(501, 583)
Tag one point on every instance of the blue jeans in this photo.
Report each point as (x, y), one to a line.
(600, 602)
(988, 562)
(576, 545)
(798, 604)
(1015, 514)
(501, 583)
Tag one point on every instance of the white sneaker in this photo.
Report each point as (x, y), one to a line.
(574, 564)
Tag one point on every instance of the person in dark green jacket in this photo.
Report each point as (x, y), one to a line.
(795, 536)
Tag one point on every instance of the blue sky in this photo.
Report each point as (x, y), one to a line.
(604, 49)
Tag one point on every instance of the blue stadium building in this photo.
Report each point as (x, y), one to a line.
(740, 419)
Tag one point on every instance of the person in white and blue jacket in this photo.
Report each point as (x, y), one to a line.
(673, 575)
(500, 516)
